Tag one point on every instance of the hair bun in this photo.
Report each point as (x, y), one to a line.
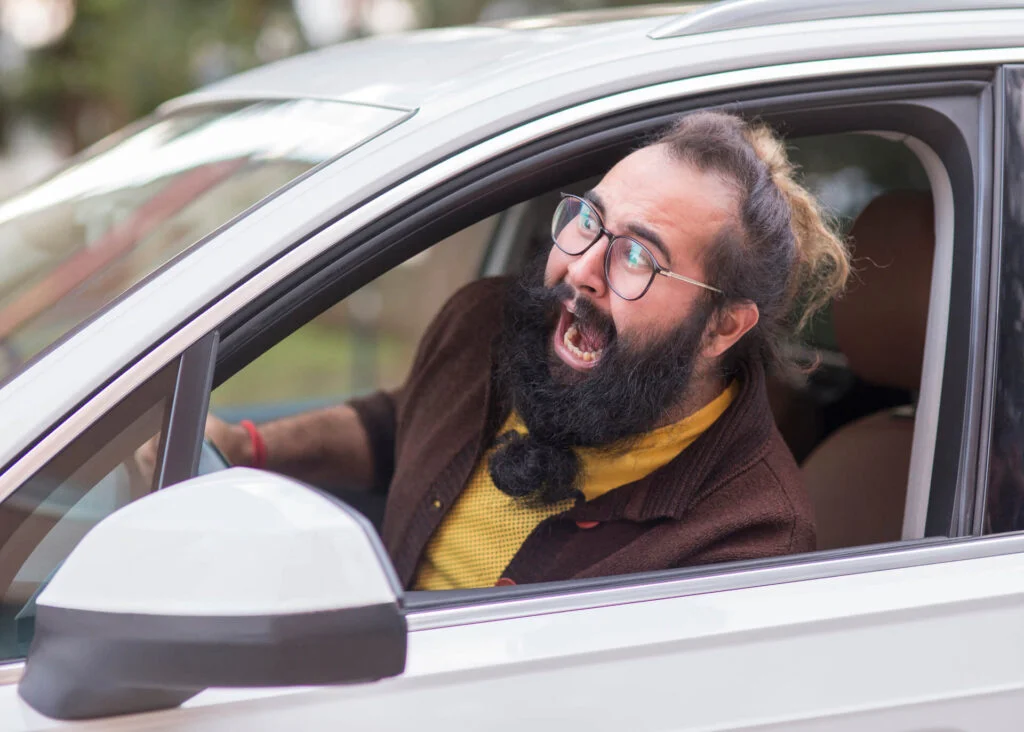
(822, 258)
(782, 253)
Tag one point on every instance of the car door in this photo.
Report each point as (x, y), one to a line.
(931, 646)
(901, 636)
(907, 636)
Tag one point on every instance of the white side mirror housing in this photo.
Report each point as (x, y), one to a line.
(236, 579)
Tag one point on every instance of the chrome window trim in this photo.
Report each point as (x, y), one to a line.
(750, 14)
(201, 99)
(979, 369)
(719, 580)
(10, 673)
(389, 199)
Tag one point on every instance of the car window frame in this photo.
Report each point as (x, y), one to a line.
(351, 260)
(331, 278)
(386, 192)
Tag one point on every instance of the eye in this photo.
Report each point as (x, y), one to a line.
(636, 257)
(588, 220)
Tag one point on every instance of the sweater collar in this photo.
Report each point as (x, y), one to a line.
(735, 441)
(629, 461)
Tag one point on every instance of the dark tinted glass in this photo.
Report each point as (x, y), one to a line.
(1004, 509)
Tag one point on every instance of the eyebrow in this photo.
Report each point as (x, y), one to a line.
(634, 228)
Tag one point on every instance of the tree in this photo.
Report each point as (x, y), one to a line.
(121, 58)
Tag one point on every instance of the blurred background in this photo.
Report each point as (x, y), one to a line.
(72, 71)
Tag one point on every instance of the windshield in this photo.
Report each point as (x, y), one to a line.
(73, 243)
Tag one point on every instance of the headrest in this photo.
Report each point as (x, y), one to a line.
(880, 323)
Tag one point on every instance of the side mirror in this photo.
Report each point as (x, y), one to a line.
(235, 579)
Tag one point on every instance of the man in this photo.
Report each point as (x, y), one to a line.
(606, 413)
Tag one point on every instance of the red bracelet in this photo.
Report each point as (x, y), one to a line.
(259, 447)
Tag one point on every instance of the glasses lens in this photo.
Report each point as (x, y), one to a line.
(575, 226)
(630, 268)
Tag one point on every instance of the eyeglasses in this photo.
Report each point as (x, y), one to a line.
(629, 266)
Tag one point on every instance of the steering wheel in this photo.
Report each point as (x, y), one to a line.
(211, 459)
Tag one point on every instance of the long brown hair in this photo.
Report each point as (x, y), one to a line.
(782, 253)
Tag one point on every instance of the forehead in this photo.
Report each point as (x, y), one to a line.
(684, 206)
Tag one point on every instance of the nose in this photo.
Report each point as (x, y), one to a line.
(586, 271)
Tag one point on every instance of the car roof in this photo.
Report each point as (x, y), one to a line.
(599, 15)
(410, 70)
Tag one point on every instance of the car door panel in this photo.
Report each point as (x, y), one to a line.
(933, 647)
(832, 652)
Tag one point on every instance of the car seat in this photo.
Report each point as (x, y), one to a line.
(857, 477)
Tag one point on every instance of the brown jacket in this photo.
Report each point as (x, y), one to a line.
(735, 493)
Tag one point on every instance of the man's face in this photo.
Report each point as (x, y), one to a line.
(638, 356)
(672, 208)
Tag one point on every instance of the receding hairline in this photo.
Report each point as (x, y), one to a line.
(733, 225)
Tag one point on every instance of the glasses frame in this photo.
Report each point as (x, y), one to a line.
(603, 232)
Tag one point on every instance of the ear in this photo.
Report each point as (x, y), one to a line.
(727, 326)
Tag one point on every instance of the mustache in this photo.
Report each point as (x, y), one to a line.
(588, 316)
(539, 294)
(592, 320)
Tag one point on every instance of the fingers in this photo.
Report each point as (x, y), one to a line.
(145, 457)
(230, 439)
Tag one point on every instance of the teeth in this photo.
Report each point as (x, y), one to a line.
(570, 333)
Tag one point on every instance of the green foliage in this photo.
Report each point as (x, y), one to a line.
(122, 58)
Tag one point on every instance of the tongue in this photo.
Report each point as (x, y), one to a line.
(591, 339)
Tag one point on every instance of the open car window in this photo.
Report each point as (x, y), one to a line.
(366, 341)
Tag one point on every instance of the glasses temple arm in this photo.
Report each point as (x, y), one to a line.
(673, 275)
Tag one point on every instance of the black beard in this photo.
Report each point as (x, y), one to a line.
(628, 393)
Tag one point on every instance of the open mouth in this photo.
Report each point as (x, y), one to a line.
(579, 343)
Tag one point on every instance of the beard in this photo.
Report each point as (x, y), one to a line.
(628, 393)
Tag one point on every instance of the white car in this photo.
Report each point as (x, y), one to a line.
(369, 181)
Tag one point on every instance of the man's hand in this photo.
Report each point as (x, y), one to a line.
(325, 445)
(145, 458)
(232, 440)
